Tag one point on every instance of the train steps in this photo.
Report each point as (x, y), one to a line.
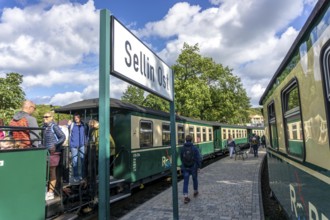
(67, 216)
(119, 186)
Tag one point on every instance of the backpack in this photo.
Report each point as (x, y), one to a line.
(188, 156)
(254, 141)
(23, 136)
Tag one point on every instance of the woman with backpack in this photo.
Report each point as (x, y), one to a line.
(191, 164)
(53, 138)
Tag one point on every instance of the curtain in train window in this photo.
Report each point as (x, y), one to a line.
(204, 134)
(192, 133)
(292, 121)
(166, 136)
(198, 135)
(146, 132)
(181, 138)
(272, 126)
(224, 134)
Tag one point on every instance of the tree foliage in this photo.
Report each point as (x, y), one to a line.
(133, 95)
(203, 89)
(11, 95)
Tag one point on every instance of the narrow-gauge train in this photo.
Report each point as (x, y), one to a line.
(142, 152)
(296, 107)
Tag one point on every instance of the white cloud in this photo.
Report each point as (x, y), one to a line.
(65, 98)
(69, 32)
(55, 43)
(250, 36)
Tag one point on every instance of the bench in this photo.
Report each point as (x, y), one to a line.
(240, 152)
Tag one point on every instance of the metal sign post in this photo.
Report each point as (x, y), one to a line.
(123, 55)
(104, 116)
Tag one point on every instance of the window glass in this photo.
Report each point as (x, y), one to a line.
(198, 134)
(192, 133)
(146, 132)
(292, 121)
(272, 126)
(180, 134)
(204, 134)
(224, 134)
(210, 134)
(166, 136)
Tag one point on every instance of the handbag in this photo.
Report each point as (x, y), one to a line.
(54, 159)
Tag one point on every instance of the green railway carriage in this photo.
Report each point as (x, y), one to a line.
(142, 137)
(296, 106)
(143, 152)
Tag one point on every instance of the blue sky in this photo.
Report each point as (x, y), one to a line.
(54, 43)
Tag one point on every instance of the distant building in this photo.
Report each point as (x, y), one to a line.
(256, 120)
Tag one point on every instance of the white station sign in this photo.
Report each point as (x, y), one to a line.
(134, 62)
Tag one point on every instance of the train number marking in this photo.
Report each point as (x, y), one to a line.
(297, 207)
(2, 163)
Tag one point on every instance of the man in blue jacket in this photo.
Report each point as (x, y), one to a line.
(78, 138)
(191, 164)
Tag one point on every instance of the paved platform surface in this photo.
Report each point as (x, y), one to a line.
(228, 189)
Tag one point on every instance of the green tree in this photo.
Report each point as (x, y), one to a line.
(11, 95)
(157, 103)
(191, 90)
(133, 95)
(207, 90)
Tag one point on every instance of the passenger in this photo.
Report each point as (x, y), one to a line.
(231, 144)
(53, 138)
(23, 118)
(78, 138)
(254, 144)
(94, 138)
(263, 141)
(2, 133)
(8, 143)
(191, 163)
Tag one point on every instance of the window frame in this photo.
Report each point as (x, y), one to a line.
(292, 114)
(272, 122)
(325, 74)
(179, 132)
(166, 134)
(141, 132)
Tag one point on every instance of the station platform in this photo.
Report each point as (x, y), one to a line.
(228, 189)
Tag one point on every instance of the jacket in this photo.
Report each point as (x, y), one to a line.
(53, 136)
(32, 122)
(197, 156)
(78, 135)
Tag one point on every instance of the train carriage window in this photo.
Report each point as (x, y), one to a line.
(191, 132)
(224, 134)
(198, 135)
(272, 126)
(166, 136)
(292, 120)
(146, 133)
(204, 134)
(326, 82)
(180, 134)
(210, 134)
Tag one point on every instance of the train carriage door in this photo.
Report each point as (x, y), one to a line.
(217, 137)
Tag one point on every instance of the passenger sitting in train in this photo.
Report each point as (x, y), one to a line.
(8, 143)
